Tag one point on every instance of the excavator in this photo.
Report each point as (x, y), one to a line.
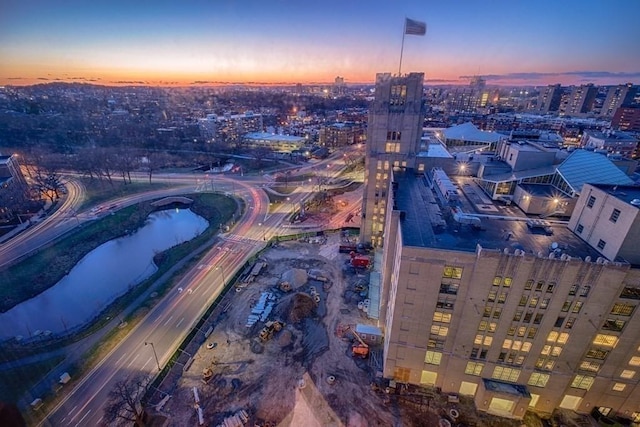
(362, 349)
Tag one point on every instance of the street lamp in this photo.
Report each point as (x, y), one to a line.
(155, 354)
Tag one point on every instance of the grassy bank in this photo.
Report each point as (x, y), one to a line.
(44, 269)
(97, 192)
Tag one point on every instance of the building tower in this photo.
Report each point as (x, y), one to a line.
(393, 138)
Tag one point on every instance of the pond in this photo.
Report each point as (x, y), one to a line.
(101, 276)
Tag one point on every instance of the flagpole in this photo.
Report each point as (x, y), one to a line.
(404, 32)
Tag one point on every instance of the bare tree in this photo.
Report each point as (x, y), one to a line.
(126, 162)
(45, 170)
(124, 402)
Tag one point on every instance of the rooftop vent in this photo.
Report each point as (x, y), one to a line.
(635, 202)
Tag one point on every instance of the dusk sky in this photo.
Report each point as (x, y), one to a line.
(182, 42)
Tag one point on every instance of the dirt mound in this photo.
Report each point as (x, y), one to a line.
(302, 306)
(296, 277)
(285, 338)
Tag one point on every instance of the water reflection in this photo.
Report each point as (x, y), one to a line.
(101, 276)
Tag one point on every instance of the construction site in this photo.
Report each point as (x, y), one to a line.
(291, 344)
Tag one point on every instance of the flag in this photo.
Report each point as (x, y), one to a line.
(415, 28)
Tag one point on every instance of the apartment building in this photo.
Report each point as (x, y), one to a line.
(517, 316)
(618, 96)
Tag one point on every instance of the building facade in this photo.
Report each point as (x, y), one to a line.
(394, 130)
(627, 118)
(517, 316)
(547, 323)
(618, 96)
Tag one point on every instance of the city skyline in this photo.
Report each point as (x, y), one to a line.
(509, 43)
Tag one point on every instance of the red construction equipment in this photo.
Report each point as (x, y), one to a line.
(362, 349)
(359, 261)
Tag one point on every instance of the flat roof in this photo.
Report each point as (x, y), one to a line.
(273, 137)
(499, 228)
(626, 193)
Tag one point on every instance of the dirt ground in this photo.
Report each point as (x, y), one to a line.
(286, 380)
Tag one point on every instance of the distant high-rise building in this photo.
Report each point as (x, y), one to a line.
(338, 86)
(618, 96)
(579, 100)
(549, 99)
(394, 130)
(627, 118)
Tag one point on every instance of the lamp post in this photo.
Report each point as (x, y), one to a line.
(154, 354)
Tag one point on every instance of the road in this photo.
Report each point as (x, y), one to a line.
(169, 321)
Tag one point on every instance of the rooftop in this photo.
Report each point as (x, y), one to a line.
(584, 166)
(626, 193)
(500, 227)
(273, 136)
(469, 132)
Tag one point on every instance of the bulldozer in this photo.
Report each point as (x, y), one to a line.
(270, 328)
(362, 348)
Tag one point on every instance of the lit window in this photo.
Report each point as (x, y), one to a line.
(583, 382)
(619, 387)
(497, 280)
(507, 281)
(635, 361)
(556, 351)
(478, 339)
(433, 358)
(483, 325)
(439, 330)
(563, 338)
(439, 316)
(628, 374)
(623, 309)
(597, 353)
(589, 366)
(538, 380)
(606, 340)
(492, 296)
(474, 368)
(507, 344)
(506, 374)
(553, 336)
(526, 346)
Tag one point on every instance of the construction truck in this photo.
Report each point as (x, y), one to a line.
(361, 349)
(270, 328)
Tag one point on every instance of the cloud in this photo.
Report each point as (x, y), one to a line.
(583, 76)
(442, 80)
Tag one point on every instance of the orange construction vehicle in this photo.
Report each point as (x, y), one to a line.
(361, 349)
